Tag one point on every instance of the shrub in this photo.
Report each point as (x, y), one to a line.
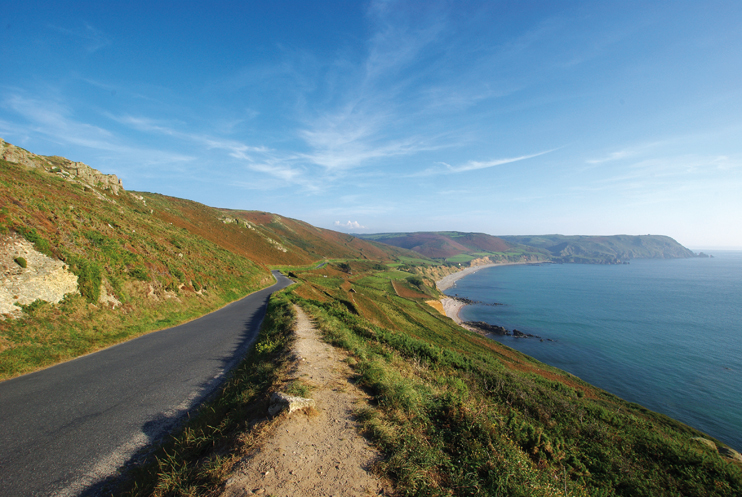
(344, 267)
(32, 307)
(88, 278)
(32, 236)
(139, 273)
(177, 273)
(21, 262)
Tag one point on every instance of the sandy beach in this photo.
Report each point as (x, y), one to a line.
(448, 281)
(452, 306)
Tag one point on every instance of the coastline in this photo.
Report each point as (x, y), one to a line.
(448, 281)
(452, 306)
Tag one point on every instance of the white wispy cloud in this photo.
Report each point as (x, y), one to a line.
(53, 118)
(376, 105)
(474, 165)
(611, 157)
(93, 38)
(350, 225)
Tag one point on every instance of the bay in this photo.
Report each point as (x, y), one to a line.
(666, 334)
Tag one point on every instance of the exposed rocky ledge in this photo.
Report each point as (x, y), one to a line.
(43, 278)
(64, 167)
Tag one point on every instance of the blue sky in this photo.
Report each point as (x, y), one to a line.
(498, 117)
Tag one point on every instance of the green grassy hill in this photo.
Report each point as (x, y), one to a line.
(604, 249)
(454, 412)
(143, 261)
(456, 247)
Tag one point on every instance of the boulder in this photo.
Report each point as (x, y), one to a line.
(281, 402)
(730, 453)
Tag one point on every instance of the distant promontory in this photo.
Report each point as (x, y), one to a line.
(463, 248)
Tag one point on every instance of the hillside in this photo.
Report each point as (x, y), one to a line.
(604, 249)
(86, 263)
(453, 412)
(456, 247)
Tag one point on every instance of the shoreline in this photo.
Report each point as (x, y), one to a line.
(448, 281)
(453, 306)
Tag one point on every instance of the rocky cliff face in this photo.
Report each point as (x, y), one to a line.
(64, 167)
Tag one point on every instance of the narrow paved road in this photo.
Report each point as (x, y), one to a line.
(64, 429)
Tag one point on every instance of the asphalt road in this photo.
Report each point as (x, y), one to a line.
(65, 429)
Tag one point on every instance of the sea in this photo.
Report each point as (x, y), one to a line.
(664, 333)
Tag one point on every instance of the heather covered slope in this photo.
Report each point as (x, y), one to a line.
(141, 261)
(464, 247)
(135, 272)
(264, 238)
(454, 246)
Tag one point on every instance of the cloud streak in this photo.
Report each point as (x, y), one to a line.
(474, 165)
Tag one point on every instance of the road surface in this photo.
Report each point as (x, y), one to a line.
(65, 429)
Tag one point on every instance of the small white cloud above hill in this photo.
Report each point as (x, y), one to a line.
(350, 225)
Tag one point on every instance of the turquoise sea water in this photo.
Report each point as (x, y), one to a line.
(666, 334)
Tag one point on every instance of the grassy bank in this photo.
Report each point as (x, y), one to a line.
(453, 412)
(157, 274)
(458, 414)
(198, 457)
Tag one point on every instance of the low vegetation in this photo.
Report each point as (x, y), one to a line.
(454, 412)
(143, 261)
(458, 414)
(199, 457)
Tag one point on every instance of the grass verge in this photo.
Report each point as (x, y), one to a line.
(196, 459)
(466, 420)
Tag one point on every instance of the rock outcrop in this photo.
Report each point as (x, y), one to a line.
(43, 278)
(64, 167)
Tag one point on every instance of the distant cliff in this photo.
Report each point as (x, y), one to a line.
(456, 247)
(613, 249)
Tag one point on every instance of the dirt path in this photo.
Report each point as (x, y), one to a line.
(319, 453)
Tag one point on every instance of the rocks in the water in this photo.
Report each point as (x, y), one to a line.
(493, 329)
(520, 334)
(281, 402)
(488, 328)
(466, 301)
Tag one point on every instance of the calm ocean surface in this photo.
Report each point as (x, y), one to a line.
(666, 334)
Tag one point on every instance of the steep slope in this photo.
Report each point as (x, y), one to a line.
(263, 237)
(126, 263)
